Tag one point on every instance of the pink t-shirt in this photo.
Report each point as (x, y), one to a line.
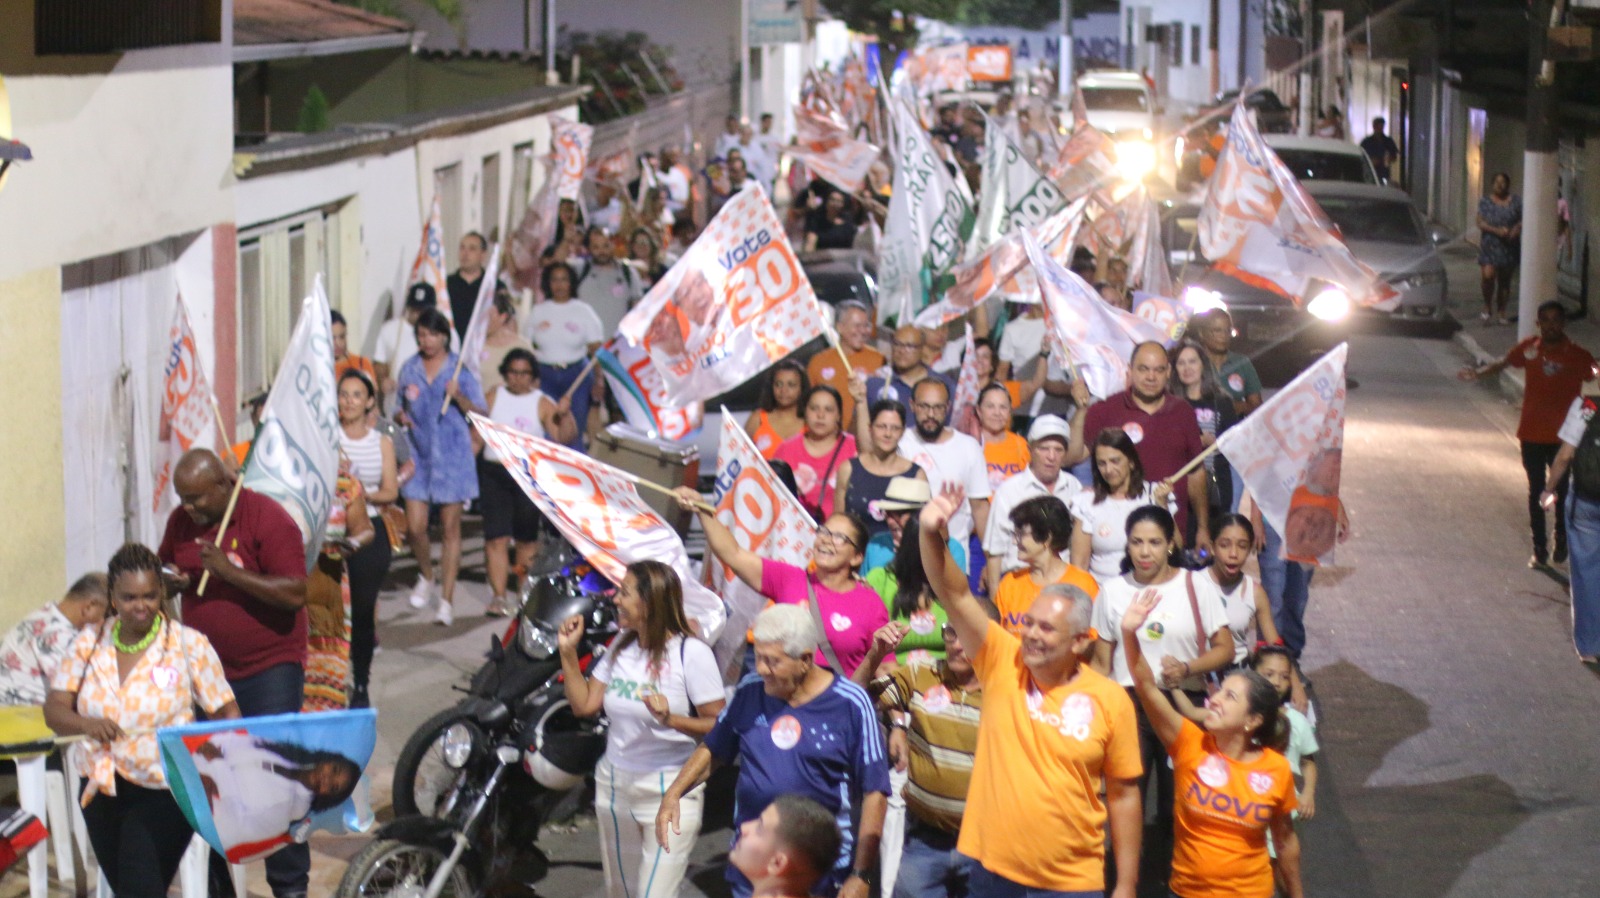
(850, 618)
(812, 474)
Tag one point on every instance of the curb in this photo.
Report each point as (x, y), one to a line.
(1511, 379)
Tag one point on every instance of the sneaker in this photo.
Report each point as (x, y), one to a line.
(446, 614)
(359, 698)
(422, 593)
(498, 607)
(1538, 560)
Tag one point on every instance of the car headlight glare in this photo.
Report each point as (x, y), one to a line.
(1199, 299)
(1135, 159)
(1331, 304)
(455, 746)
(535, 641)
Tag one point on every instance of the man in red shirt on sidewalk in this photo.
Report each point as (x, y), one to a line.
(1556, 370)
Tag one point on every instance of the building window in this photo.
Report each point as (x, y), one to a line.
(95, 26)
(1194, 44)
(489, 186)
(278, 265)
(447, 181)
(1175, 34)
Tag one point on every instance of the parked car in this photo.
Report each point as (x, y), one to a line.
(1119, 103)
(1273, 116)
(1384, 229)
(1323, 159)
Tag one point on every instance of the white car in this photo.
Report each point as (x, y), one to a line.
(1323, 159)
(1119, 103)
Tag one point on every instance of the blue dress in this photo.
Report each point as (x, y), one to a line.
(1492, 248)
(441, 446)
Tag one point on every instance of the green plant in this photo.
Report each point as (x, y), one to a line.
(313, 112)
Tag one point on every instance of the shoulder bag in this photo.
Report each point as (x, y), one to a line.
(822, 632)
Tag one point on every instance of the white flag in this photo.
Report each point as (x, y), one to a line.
(1289, 451)
(928, 218)
(295, 456)
(472, 351)
(1004, 268)
(188, 410)
(569, 143)
(1014, 193)
(428, 268)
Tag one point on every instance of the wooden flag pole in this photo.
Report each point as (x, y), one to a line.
(579, 382)
(222, 428)
(1193, 463)
(227, 516)
(647, 484)
(849, 370)
(461, 359)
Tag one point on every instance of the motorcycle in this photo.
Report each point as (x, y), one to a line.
(476, 782)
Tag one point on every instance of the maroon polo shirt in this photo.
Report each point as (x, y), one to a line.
(1166, 440)
(248, 634)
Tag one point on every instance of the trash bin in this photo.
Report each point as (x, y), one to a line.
(671, 464)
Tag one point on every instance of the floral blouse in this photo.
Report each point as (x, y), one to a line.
(31, 653)
(180, 670)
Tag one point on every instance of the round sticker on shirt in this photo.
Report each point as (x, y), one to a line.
(923, 623)
(237, 561)
(1135, 431)
(1236, 383)
(874, 510)
(786, 732)
(827, 373)
(839, 622)
(936, 699)
(619, 291)
(1213, 771)
(805, 478)
(1105, 531)
(1531, 353)
(165, 677)
(1261, 783)
(413, 391)
(1154, 630)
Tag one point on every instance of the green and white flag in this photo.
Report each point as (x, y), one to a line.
(1015, 194)
(929, 220)
(295, 455)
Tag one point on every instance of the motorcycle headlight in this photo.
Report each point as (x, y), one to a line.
(1331, 304)
(535, 641)
(456, 745)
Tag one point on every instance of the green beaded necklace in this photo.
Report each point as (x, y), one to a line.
(141, 645)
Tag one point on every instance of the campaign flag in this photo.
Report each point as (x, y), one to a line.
(824, 145)
(295, 456)
(638, 388)
(764, 517)
(535, 232)
(1098, 336)
(569, 142)
(599, 511)
(1171, 315)
(929, 219)
(736, 302)
(1147, 257)
(965, 402)
(188, 409)
(1288, 452)
(1259, 225)
(428, 268)
(1004, 268)
(472, 351)
(935, 69)
(1014, 193)
(1086, 164)
(252, 786)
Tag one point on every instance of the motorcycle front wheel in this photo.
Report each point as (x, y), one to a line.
(421, 777)
(390, 868)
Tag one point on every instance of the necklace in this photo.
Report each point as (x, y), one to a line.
(141, 645)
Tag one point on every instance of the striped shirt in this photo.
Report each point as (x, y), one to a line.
(366, 458)
(943, 736)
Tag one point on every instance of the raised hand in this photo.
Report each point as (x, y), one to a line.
(938, 512)
(1137, 613)
(571, 634)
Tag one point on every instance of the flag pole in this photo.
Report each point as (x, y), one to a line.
(833, 337)
(222, 429)
(665, 491)
(579, 381)
(461, 359)
(1193, 463)
(227, 516)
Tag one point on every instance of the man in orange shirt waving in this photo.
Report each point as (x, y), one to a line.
(1051, 729)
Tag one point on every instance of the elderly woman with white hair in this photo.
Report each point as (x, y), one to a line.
(796, 729)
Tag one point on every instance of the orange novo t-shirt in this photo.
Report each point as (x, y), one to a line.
(1015, 592)
(1034, 813)
(1224, 811)
(1555, 376)
(1006, 457)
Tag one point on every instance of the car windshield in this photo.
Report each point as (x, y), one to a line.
(1115, 99)
(1316, 165)
(1378, 221)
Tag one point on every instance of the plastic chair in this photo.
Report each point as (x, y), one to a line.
(25, 723)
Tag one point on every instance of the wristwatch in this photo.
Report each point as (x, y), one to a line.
(868, 876)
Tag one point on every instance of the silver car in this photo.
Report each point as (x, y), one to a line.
(1385, 231)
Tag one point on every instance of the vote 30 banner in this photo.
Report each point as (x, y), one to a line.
(1004, 269)
(250, 787)
(187, 406)
(1170, 315)
(763, 516)
(1258, 224)
(569, 142)
(295, 455)
(599, 511)
(736, 302)
(1289, 453)
(1086, 164)
(642, 394)
(428, 267)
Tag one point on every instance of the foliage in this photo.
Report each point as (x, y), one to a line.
(313, 112)
(614, 63)
(1032, 15)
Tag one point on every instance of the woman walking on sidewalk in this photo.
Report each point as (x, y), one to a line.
(1499, 246)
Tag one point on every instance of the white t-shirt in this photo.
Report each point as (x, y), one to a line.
(957, 459)
(1239, 604)
(611, 290)
(635, 741)
(676, 181)
(726, 142)
(1106, 523)
(1000, 538)
(608, 216)
(1170, 628)
(1022, 342)
(1572, 426)
(562, 331)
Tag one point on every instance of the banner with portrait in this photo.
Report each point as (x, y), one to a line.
(640, 392)
(188, 408)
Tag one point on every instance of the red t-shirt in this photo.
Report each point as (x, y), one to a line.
(1166, 440)
(1555, 376)
(248, 634)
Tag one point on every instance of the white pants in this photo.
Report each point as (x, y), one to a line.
(894, 832)
(625, 805)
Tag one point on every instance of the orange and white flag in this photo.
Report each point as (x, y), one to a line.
(428, 268)
(1003, 269)
(599, 511)
(735, 303)
(1259, 225)
(569, 143)
(188, 409)
(965, 402)
(824, 144)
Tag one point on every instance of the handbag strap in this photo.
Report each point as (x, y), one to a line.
(1194, 606)
(828, 471)
(822, 632)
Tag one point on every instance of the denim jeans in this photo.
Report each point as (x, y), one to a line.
(990, 885)
(1288, 586)
(276, 690)
(930, 866)
(1583, 535)
(555, 380)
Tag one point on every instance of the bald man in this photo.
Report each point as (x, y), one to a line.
(253, 610)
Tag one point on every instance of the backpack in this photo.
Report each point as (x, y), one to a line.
(1586, 460)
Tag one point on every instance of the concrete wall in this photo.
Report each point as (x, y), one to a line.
(1187, 86)
(32, 554)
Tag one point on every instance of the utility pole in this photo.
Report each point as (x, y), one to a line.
(1064, 79)
(1539, 172)
(1213, 53)
(742, 108)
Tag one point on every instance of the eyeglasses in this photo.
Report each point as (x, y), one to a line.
(900, 345)
(932, 408)
(834, 536)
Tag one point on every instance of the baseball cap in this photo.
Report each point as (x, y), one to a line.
(422, 296)
(905, 494)
(1046, 426)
